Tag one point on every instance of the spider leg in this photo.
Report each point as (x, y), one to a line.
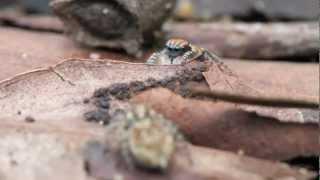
(187, 56)
(153, 58)
(215, 58)
(212, 56)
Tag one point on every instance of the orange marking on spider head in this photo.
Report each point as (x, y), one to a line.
(177, 43)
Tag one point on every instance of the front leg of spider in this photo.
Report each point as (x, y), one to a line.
(222, 66)
(153, 58)
(187, 56)
(211, 56)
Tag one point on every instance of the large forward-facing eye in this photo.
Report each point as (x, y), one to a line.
(174, 49)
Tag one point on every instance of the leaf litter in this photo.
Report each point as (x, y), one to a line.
(57, 98)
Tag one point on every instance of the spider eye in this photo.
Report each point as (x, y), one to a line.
(174, 49)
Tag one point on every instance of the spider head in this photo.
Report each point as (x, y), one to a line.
(177, 47)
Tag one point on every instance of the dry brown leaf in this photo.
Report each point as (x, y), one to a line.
(53, 98)
(42, 112)
(58, 92)
(26, 50)
(225, 126)
(270, 80)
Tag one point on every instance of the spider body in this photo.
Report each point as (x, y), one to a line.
(180, 51)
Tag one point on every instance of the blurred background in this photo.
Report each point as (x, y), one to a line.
(244, 10)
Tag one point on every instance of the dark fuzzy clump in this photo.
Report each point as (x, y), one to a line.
(86, 101)
(101, 92)
(29, 119)
(152, 83)
(103, 102)
(100, 116)
(137, 86)
(120, 91)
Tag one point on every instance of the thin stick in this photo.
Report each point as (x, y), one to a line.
(254, 100)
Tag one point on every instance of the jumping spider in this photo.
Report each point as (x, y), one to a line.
(180, 51)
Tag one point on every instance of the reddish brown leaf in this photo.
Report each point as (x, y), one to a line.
(224, 126)
(25, 50)
(54, 99)
(42, 114)
(270, 80)
(62, 89)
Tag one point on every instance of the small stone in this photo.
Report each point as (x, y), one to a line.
(137, 86)
(101, 92)
(86, 100)
(94, 56)
(98, 116)
(120, 91)
(30, 119)
(151, 82)
(104, 102)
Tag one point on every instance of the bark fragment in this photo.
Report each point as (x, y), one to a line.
(125, 24)
(253, 41)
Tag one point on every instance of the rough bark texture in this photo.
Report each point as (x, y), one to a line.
(237, 40)
(296, 41)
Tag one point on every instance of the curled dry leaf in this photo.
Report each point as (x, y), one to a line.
(225, 126)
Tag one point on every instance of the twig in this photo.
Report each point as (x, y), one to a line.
(254, 100)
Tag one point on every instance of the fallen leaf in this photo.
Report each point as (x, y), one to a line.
(27, 50)
(54, 99)
(58, 92)
(225, 126)
(270, 80)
